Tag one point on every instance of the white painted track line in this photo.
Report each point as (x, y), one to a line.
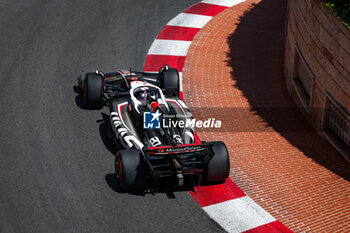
(190, 20)
(227, 3)
(239, 214)
(169, 47)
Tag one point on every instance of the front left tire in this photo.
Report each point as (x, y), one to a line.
(93, 91)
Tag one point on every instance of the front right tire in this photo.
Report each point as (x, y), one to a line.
(170, 81)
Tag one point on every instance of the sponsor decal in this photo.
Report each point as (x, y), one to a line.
(181, 149)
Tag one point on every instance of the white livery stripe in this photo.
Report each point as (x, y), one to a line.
(169, 47)
(227, 3)
(180, 77)
(190, 20)
(239, 214)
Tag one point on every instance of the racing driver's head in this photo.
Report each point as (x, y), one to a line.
(143, 97)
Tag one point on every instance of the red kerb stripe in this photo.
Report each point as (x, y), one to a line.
(205, 9)
(213, 194)
(178, 33)
(273, 227)
(154, 62)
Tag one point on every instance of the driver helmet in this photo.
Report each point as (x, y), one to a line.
(143, 97)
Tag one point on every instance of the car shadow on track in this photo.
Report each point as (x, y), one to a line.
(103, 127)
(167, 186)
(103, 122)
(79, 101)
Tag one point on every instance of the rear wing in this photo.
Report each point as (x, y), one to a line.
(180, 149)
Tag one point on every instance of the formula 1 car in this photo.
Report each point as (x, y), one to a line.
(151, 150)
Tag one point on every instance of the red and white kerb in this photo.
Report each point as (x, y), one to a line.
(225, 203)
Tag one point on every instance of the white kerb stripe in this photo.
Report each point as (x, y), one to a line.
(227, 3)
(169, 47)
(239, 214)
(190, 20)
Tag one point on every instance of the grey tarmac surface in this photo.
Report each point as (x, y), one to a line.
(56, 171)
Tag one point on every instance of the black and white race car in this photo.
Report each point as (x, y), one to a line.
(151, 150)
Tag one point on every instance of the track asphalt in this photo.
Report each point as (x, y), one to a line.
(56, 170)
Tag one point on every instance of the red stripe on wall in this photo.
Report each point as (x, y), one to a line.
(178, 33)
(213, 194)
(273, 227)
(154, 62)
(205, 9)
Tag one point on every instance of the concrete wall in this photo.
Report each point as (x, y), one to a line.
(322, 43)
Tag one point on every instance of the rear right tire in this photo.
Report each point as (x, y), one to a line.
(219, 166)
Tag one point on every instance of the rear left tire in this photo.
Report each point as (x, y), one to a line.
(130, 169)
